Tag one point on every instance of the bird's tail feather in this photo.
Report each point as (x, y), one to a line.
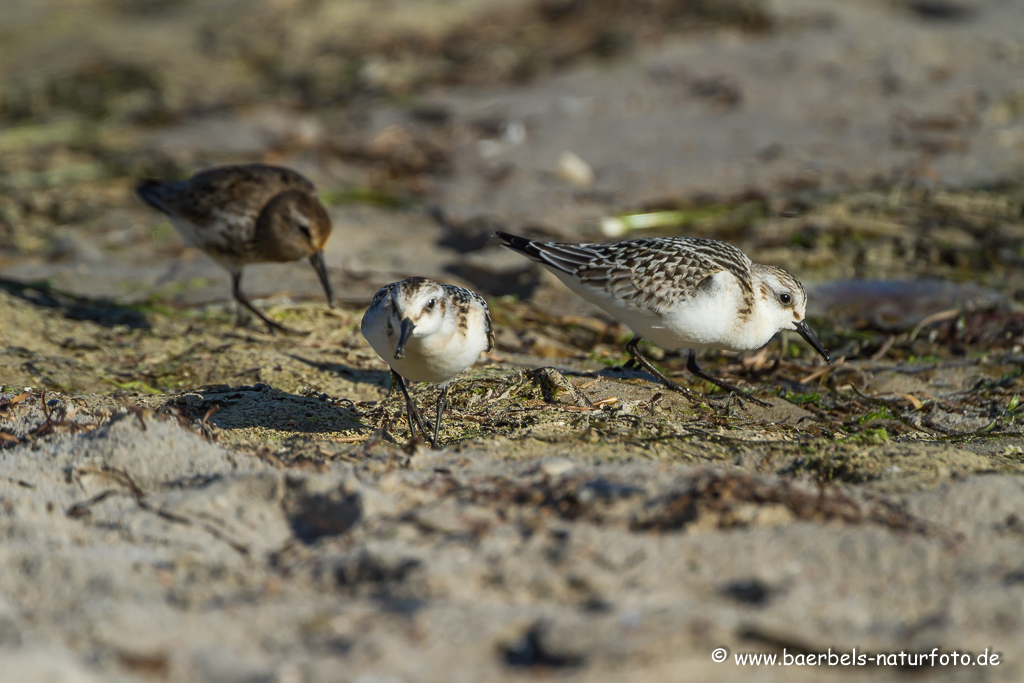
(564, 257)
(153, 192)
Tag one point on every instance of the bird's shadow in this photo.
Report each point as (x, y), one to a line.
(260, 405)
(380, 378)
(101, 311)
(619, 372)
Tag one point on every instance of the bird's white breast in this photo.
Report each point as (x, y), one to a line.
(711, 318)
(437, 357)
(223, 240)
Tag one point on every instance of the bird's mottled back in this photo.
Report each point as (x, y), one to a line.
(651, 273)
(236, 190)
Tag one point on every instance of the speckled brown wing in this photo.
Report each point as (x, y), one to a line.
(217, 209)
(654, 273)
(236, 190)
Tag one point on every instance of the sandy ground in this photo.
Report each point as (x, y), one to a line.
(185, 500)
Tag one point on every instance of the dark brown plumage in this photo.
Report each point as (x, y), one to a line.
(247, 214)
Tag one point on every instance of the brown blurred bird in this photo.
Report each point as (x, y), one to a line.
(247, 214)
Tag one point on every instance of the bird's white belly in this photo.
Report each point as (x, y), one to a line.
(422, 364)
(189, 233)
(437, 358)
(708, 320)
(374, 329)
(218, 239)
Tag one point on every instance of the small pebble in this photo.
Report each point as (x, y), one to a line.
(557, 466)
(573, 169)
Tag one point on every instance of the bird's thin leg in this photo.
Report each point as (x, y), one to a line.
(242, 315)
(638, 358)
(395, 379)
(691, 365)
(442, 403)
(416, 420)
(236, 290)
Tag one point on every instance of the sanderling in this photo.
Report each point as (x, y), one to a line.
(680, 292)
(247, 214)
(427, 332)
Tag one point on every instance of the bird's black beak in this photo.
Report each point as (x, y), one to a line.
(804, 331)
(403, 336)
(317, 260)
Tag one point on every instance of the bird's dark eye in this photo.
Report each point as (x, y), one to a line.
(304, 229)
(431, 304)
(786, 298)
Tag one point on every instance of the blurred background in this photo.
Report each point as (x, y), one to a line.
(841, 139)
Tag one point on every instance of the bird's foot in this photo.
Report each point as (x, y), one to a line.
(739, 395)
(273, 328)
(418, 422)
(244, 318)
(688, 393)
(730, 393)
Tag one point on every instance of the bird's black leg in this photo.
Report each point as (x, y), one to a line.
(395, 379)
(242, 315)
(639, 360)
(691, 365)
(236, 290)
(442, 403)
(416, 420)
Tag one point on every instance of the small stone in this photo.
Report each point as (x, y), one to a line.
(574, 170)
(613, 227)
(557, 466)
